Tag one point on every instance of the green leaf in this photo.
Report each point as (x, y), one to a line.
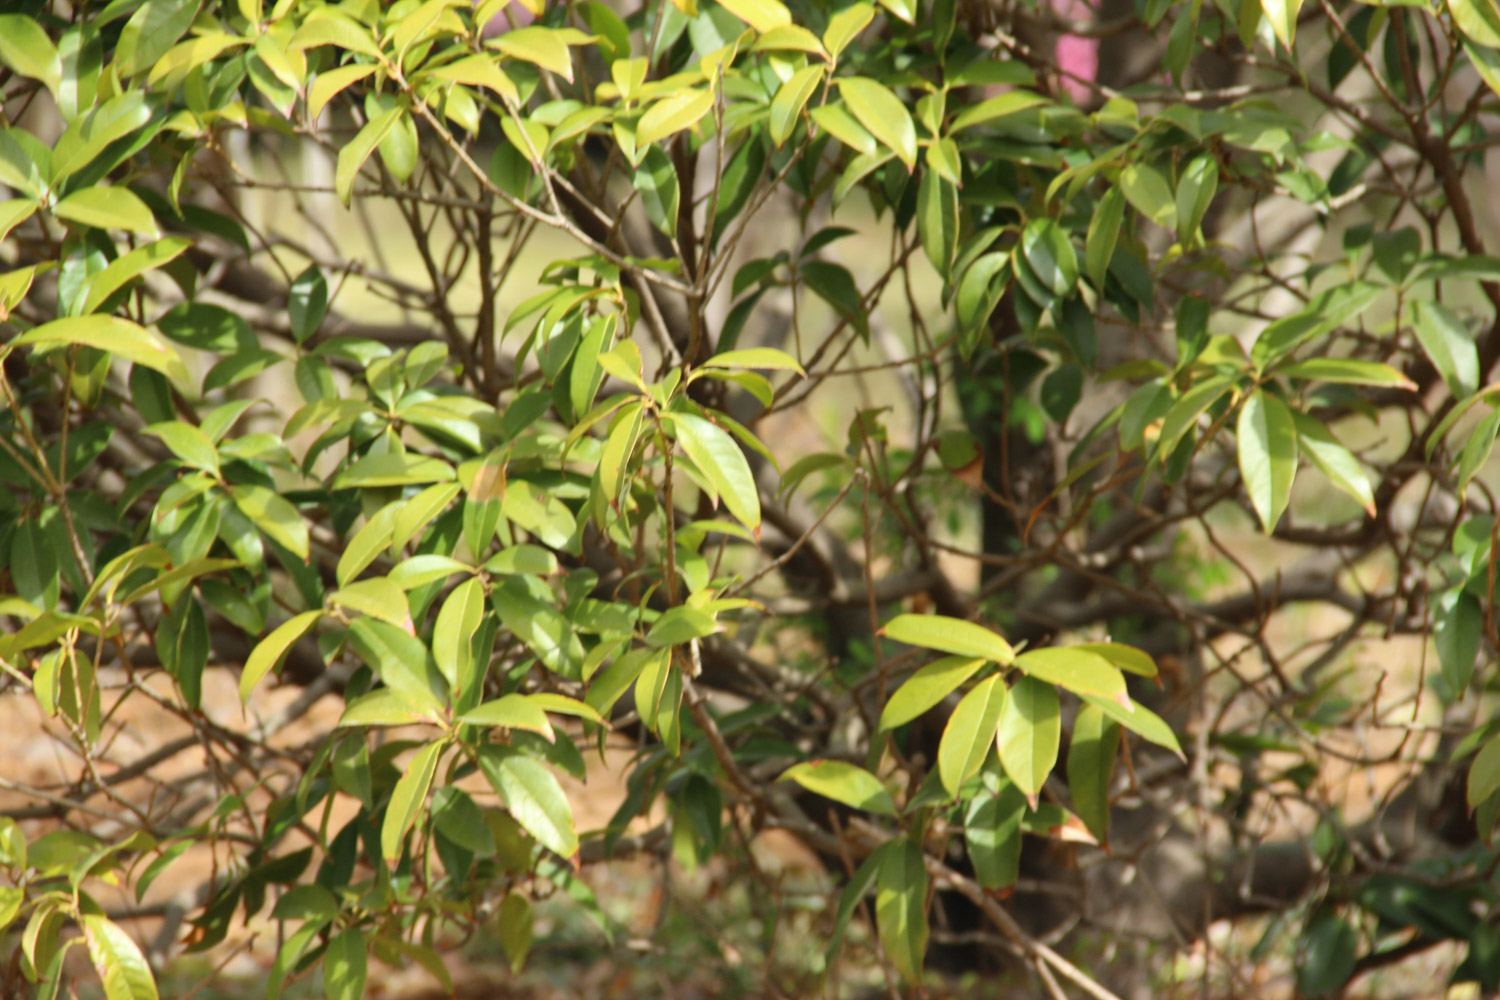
(398, 658)
(845, 26)
(862, 881)
(11, 898)
(344, 966)
(367, 544)
(1267, 455)
(389, 707)
(328, 85)
(269, 652)
(13, 213)
(1081, 671)
(762, 15)
(722, 462)
(394, 469)
(27, 50)
(901, 909)
(833, 119)
(1457, 628)
(926, 688)
(1486, 62)
(1050, 256)
(835, 285)
(1333, 460)
(515, 927)
(1127, 658)
(1030, 733)
(1448, 345)
(352, 156)
(1478, 19)
(408, 799)
(1091, 765)
(533, 796)
(992, 831)
(970, 732)
(512, 711)
(883, 114)
(847, 783)
(949, 635)
(1140, 720)
(1007, 104)
(453, 633)
(126, 267)
(791, 98)
(1148, 191)
(1484, 773)
(682, 624)
(656, 180)
(92, 132)
(1326, 311)
(151, 32)
(755, 357)
(938, 221)
(188, 443)
(1326, 956)
(121, 966)
(378, 597)
(1347, 371)
(542, 47)
(1184, 414)
(672, 114)
(1195, 192)
(307, 303)
(108, 208)
(480, 70)
(111, 334)
(274, 515)
(1104, 232)
(1283, 17)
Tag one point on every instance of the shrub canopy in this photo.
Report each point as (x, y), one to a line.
(892, 429)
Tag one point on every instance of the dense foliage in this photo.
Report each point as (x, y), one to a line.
(876, 446)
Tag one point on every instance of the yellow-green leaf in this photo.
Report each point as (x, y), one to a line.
(1011, 103)
(408, 799)
(112, 334)
(791, 98)
(901, 909)
(1267, 455)
(512, 711)
(762, 15)
(1030, 733)
(672, 114)
(926, 688)
(969, 733)
(378, 597)
(949, 635)
(480, 70)
(883, 114)
(847, 783)
(845, 26)
(27, 50)
(1283, 17)
(102, 284)
(270, 651)
(722, 462)
(108, 208)
(274, 515)
(542, 47)
(121, 966)
(1079, 670)
(328, 85)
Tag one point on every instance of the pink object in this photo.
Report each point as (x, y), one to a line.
(1076, 56)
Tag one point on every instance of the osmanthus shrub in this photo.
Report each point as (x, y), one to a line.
(890, 433)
